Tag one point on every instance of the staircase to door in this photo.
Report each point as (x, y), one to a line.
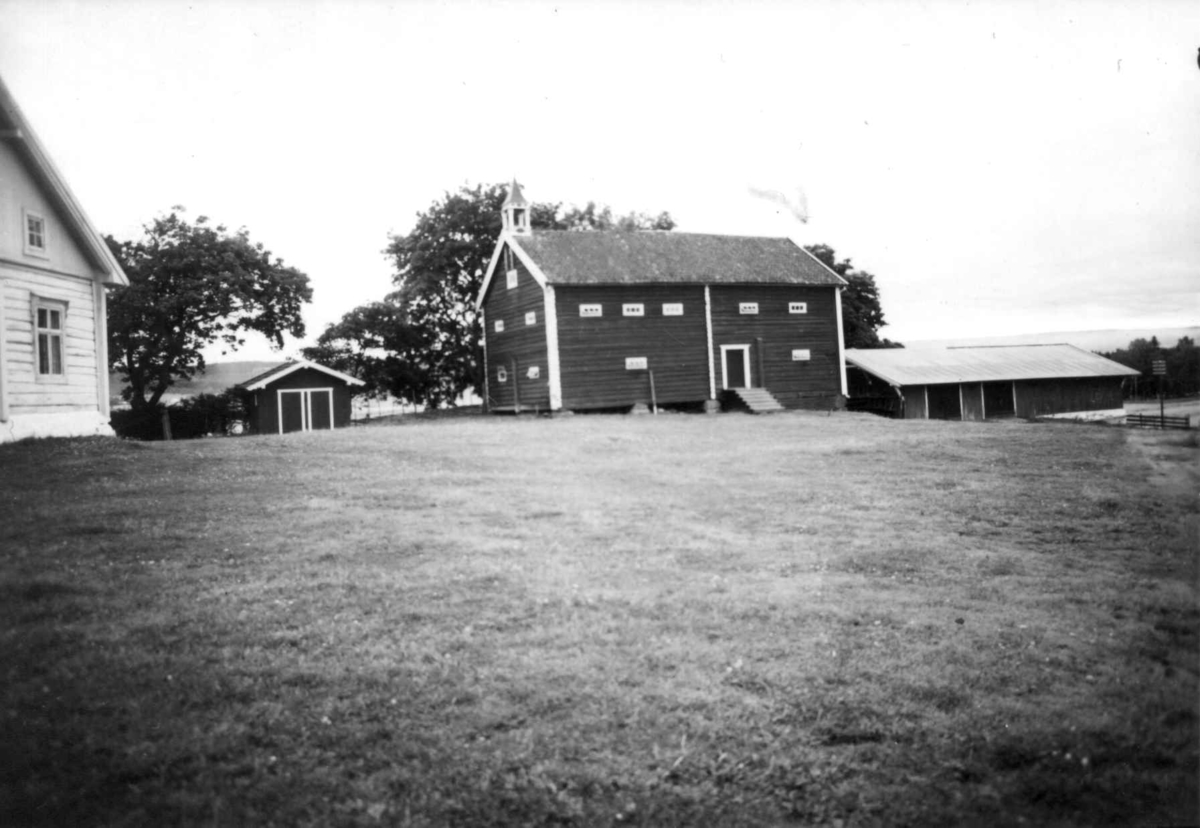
(758, 400)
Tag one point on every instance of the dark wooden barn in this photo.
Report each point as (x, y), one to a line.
(606, 320)
(298, 396)
(978, 383)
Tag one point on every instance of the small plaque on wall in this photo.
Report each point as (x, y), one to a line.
(672, 308)
(635, 363)
(534, 372)
(801, 355)
(748, 307)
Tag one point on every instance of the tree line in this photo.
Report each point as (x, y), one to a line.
(1182, 363)
(193, 284)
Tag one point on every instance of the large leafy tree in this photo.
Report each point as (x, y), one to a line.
(433, 338)
(1183, 366)
(192, 285)
(862, 311)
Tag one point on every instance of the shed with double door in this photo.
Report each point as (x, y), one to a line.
(299, 396)
(986, 382)
(608, 319)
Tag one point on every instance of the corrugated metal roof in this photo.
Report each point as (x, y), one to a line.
(614, 257)
(903, 366)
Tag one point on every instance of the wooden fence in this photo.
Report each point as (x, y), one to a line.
(1157, 421)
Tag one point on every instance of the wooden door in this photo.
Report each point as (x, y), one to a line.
(735, 366)
(291, 411)
(320, 409)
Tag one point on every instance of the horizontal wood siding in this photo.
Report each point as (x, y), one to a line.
(592, 350)
(520, 341)
(1037, 398)
(28, 393)
(814, 383)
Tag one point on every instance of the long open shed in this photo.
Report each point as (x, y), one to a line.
(986, 382)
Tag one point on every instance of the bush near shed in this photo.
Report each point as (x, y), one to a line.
(203, 415)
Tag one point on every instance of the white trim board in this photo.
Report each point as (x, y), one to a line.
(305, 406)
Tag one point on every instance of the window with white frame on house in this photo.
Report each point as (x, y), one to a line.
(50, 323)
(35, 233)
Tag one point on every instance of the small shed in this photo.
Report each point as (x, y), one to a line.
(298, 396)
(986, 382)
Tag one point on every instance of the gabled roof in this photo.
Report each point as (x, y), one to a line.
(15, 128)
(596, 257)
(282, 370)
(616, 257)
(933, 366)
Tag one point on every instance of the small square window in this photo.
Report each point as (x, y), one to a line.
(499, 326)
(633, 309)
(748, 307)
(35, 233)
(797, 307)
(531, 318)
(591, 310)
(672, 309)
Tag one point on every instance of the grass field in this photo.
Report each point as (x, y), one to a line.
(675, 620)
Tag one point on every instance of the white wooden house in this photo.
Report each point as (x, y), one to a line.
(54, 271)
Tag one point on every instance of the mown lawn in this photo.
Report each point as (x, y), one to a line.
(675, 620)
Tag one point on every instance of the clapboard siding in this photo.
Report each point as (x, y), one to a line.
(796, 384)
(518, 341)
(27, 392)
(972, 400)
(593, 350)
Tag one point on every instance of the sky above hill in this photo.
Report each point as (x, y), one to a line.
(1001, 168)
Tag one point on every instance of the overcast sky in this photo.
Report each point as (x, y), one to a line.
(1000, 167)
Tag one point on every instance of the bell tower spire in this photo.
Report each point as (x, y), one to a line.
(515, 211)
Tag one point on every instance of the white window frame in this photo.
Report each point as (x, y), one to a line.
(672, 309)
(59, 306)
(797, 307)
(305, 406)
(43, 251)
(531, 318)
(633, 309)
(590, 311)
(748, 308)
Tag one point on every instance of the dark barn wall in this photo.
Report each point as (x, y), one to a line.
(815, 383)
(593, 349)
(972, 401)
(526, 343)
(265, 414)
(914, 402)
(1037, 398)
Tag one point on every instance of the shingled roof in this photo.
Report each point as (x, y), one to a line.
(615, 257)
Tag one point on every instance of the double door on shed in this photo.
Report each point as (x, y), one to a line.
(305, 409)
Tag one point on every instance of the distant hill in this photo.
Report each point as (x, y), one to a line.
(215, 379)
(1104, 341)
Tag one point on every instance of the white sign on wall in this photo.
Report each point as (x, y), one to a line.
(748, 307)
(510, 279)
(635, 309)
(499, 325)
(534, 372)
(635, 363)
(672, 308)
(797, 307)
(801, 355)
(591, 310)
(531, 318)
